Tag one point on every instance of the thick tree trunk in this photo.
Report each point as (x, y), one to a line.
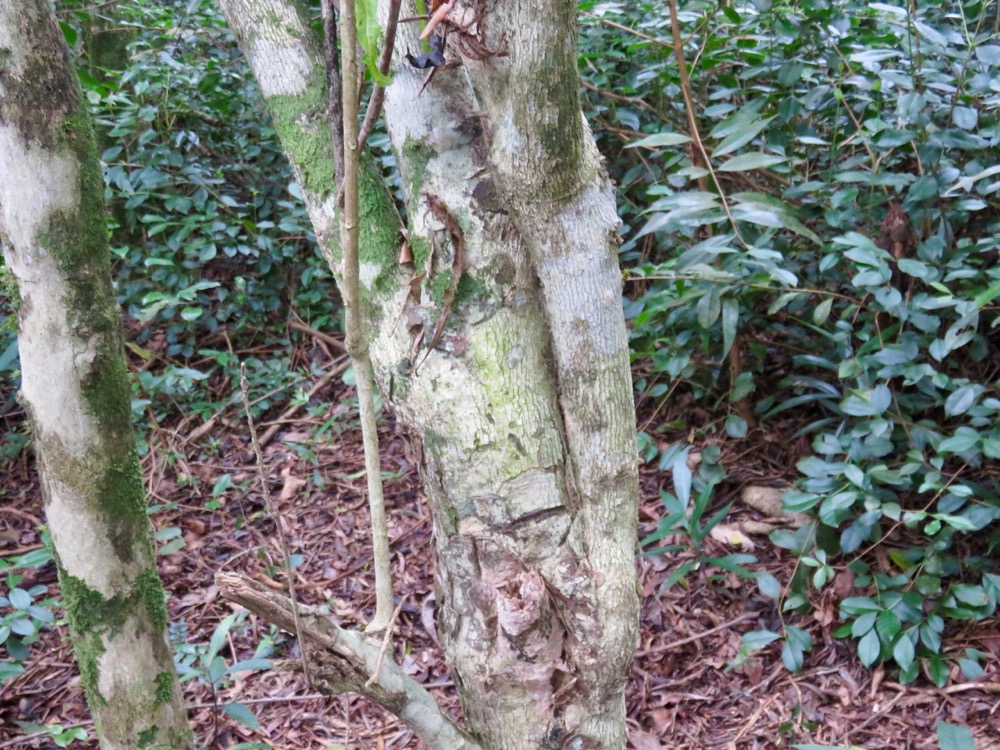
(502, 348)
(75, 388)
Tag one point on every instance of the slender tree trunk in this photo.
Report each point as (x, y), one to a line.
(502, 348)
(75, 387)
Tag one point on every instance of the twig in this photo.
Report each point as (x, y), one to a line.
(675, 29)
(357, 343)
(385, 645)
(626, 29)
(18, 741)
(275, 518)
(344, 660)
(326, 338)
(333, 86)
(440, 210)
(378, 95)
(635, 100)
(704, 634)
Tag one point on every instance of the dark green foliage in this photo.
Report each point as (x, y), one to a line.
(212, 239)
(819, 117)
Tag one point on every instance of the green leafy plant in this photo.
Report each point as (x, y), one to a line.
(23, 612)
(211, 238)
(775, 289)
(950, 737)
(60, 735)
(206, 664)
(686, 518)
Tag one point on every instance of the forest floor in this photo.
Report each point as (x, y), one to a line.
(684, 690)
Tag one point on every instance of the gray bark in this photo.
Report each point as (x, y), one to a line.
(502, 350)
(75, 388)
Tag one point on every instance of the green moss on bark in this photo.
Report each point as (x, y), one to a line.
(165, 687)
(304, 128)
(153, 597)
(379, 236)
(93, 618)
(416, 153)
(147, 737)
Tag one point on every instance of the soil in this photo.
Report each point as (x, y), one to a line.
(688, 687)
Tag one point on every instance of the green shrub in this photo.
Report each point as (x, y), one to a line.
(822, 120)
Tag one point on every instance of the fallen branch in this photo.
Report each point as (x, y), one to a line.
(342, 661)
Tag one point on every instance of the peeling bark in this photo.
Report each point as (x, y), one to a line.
(75, 388)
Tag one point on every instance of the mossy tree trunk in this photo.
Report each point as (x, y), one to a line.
(75, 387)
(519, 403)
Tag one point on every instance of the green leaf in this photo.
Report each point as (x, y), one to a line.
(709, 307)
(822, 311)
(964, 439)
(730, 320)
(741, 137)
(974, 596)
(369, 32)
(250, 665)
(914, 268)
(797, 643)
(989, 54)
(660, 139)
(682, 477)
(903, 652)
(888, 625)
(864, 624)
(769, 586)
(952, 737)
(962, 399)
(736, 426)
(869, 648)
(747, 162)
(757, 639)
(967, 182)
(868, 403)
(966, 118)
(938, 670)
(242, 714)
(19, 598)
(219, 636)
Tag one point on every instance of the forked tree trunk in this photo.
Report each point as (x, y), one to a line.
(75, 387)
(502, 348)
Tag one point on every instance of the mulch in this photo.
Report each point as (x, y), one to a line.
(686, 689)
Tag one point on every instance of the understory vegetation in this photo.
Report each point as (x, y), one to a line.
(811, 202)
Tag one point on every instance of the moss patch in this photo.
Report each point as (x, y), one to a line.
(164, 687)
(379, 235)
(417, 153)
(304, 128)
(150, 591)
(147, 737)
(53, 87)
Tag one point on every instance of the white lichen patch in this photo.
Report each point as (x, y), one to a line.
(127, 660)
(368, 273)
(82, 539)
(54, 359)
(10, 42)
(286, 71)
(280, 63)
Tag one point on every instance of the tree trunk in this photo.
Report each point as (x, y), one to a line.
(75, 387)
(502, 349)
